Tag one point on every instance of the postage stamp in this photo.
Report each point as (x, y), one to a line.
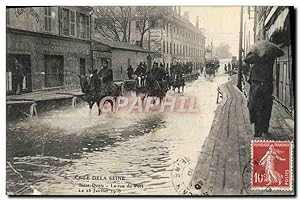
(271, 165)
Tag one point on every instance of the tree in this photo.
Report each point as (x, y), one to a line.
(113, 22)
(147, 16)
(223, 51)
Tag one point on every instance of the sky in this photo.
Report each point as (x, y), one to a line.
(222, 24)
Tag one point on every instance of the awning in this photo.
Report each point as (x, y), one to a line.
(278, 23)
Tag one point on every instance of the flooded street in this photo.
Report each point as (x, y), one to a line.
(69, 151)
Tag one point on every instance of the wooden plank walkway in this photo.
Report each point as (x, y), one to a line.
(226, 150)
(45, 95)
(28, 101)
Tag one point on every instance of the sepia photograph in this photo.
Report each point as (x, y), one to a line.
(150, 100)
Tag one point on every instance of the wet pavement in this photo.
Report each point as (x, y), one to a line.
(69, 151)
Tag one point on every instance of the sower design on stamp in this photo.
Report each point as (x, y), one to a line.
(271, 165)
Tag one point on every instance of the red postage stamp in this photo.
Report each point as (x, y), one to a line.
(271, 165)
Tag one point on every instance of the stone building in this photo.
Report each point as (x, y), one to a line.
(174, 38)
(122, 55)
(52, 43)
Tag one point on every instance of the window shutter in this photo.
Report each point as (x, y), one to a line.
(60, 20)
(77, 24)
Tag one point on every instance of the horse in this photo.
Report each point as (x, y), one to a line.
(210, 71)
(95, 90)
(178, 82)
(155, 88)
(140, 86)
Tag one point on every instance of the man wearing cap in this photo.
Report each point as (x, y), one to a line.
(106, 75)
(140, 71)
(159, 74)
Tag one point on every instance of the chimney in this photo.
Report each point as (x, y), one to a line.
(197, 22)
(179, 10)
(186, 15)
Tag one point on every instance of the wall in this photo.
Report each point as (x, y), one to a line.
(32, 19)
(122, 61)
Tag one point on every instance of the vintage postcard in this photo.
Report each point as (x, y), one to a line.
(150, 100)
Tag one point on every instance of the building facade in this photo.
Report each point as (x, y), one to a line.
(173, 38)
(52, 43)
(120, 57)
(266, 20)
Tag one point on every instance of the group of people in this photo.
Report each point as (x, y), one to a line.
(159, 71)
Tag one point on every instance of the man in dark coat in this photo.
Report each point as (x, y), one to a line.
(18, 76)
(159, 75)
(106, 74)
(229, 68)
(260, 95)
(130, 72)
(140, 71)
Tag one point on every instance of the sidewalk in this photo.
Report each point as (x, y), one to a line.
(226, 151)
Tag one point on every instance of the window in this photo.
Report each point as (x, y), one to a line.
(170, 48)
(47, 18)
(177, 50)
(174, 50)
(88, 27)
(167, 47)
(65, 22)
(72, 22)
(164, 46)
(83, 26)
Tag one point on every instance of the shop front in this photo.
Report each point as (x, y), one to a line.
(49, 61)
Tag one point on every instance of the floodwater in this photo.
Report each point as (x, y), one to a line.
(71, 152)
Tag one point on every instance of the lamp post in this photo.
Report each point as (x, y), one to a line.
(239, 84)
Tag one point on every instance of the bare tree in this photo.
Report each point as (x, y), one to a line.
(113, 22)
(146, 16)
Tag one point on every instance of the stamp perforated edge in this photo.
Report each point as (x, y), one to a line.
(290, 188)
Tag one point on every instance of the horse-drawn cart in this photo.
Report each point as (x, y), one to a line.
(209, 69)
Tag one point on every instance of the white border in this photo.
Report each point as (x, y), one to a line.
(108, 2)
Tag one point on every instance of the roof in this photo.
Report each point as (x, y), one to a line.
(120, 45)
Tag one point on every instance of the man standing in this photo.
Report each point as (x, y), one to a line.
(19, 74)
(260, 95)
(130, 72)
(229, 68)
